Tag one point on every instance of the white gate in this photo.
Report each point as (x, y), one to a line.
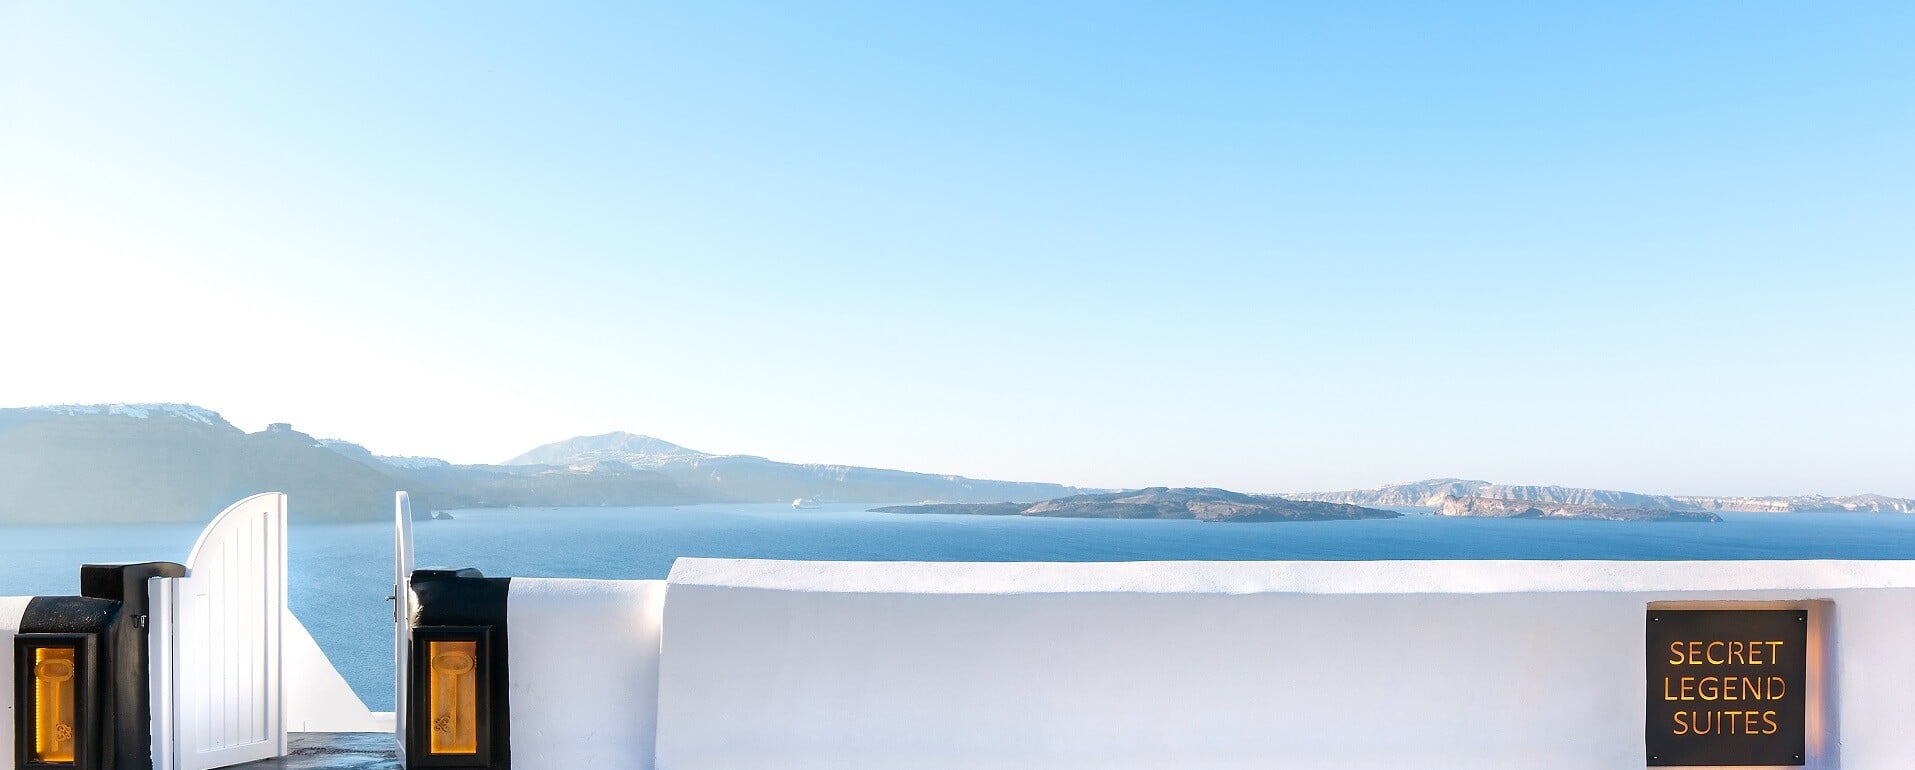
(218, 698)
(401, 609)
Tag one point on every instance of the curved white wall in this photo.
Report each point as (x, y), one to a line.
(1344, 665)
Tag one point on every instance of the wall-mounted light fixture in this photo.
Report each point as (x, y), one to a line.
(451, 697)
(457, 706)
(56, 701)
(81, 698)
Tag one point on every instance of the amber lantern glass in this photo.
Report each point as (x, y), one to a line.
(55, 696)
(453, 696)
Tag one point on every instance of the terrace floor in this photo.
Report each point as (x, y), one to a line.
(335, 751)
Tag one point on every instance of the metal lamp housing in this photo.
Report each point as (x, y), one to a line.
(450, 697)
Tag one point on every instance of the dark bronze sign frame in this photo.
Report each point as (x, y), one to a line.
(1726, 687)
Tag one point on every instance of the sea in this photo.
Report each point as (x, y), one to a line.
(340, 574)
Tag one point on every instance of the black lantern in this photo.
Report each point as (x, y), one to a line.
(450, 715)
(456, 701)
(56, 701)
(81, 699)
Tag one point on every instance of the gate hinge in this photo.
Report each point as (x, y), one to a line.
(139, 621)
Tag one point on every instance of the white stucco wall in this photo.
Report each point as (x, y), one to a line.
(583, 660)
(12, 608)
(1296, 665)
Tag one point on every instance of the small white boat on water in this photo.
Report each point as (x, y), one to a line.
(804, 502)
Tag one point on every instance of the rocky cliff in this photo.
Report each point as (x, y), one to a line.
(1202, 504)
(1498, 508)
(1432, 492)
(1858, 503)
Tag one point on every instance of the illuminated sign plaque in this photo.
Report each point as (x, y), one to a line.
(1727, 688)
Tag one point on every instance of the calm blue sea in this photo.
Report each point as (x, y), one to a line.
(340, 572)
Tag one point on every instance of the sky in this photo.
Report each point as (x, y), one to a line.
(1666, 247)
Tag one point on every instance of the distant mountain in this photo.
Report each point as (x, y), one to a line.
(744, 478)
(505, 486)
(629, 448)
(169, 462)
(1432, 493)
(1200, 503)
(495, 486)
(178, 462)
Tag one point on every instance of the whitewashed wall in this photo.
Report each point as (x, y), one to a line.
(318, 699)
(1293, 665)
(583, 672)
(12, 608)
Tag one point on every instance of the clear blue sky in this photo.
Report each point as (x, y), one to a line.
(1657, 246)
